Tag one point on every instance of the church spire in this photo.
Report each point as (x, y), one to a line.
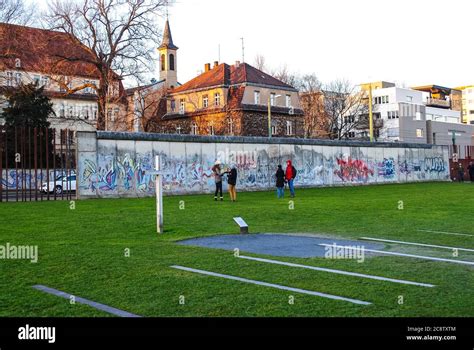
(168, 58)
(167, 42)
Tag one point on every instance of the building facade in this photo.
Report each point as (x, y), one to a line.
(236, 100)
(427, 114)
(31, 55)
(467, 104)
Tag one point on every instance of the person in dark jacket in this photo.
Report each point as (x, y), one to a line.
(470, 168)
(216, 170)
(280, 182)
(461, 172)
(290, 175)
(232, 182)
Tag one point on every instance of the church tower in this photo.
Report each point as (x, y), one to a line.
(168, 58)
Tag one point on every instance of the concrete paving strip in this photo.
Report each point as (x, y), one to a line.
(271, 285)
(340, 272)
(403, 254)
(447, 233)
(416, 244)
(98, 306)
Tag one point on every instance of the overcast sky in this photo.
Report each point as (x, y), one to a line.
(411, 42)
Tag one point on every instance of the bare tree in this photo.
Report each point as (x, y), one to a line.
(144, 106)
(260, 63)
(343, 105)
(119, 36)
(16, 12)
(312, 103)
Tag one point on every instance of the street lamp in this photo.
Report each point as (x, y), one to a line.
(270, 113)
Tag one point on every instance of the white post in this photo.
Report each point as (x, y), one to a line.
(159, 196)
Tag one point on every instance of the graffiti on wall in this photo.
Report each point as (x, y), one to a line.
(26, 179)
(353, 170)
(434, 165)
(128, 173)
(386, 168)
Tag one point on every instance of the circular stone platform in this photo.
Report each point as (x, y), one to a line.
(276, 244)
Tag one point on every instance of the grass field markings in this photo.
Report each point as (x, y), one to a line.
(271, 285)
(405, 255)
(416, 244)
(95, 305)
(340, 272)
(447, 233)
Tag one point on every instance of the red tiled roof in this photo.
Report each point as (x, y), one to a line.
(41, 50)
(225, 75)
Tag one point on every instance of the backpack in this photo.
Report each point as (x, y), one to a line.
(294, 172)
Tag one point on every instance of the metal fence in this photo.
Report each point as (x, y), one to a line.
(37, 164)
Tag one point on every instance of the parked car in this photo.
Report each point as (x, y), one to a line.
(60, 185)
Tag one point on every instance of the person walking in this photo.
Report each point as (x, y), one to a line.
(290, 175)
(232, 182)
(461, 172)
(216, 169)
(470, 169)
(280, 182)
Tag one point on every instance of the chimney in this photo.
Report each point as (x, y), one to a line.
(237, 64)
(207, 67)
(216, 63)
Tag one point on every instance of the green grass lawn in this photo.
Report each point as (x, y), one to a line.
(81, 252)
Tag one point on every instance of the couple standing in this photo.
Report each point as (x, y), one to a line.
(231, 180)
(287, 176)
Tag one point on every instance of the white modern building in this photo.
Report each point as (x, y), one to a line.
(426, 114)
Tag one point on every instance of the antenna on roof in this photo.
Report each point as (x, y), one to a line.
(243, 50)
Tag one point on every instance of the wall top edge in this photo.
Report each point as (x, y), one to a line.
(130, 136)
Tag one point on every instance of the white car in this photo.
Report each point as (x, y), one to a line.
(60, 185)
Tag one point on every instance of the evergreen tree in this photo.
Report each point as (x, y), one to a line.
(28, 106)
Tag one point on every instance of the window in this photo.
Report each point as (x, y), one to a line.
(70, 110)
(116, 113)
(351, 134)
(173, 105)
(272, 99)
(109, 114)
(45, 81)
(274, 128)
(171, 62)
(194, 129)
(256, 97)
(471, 112)
(205, 101)
(217, 99)
(163, 62)
(17, 78)
(419, 133)
(211, 130)
(231, 127)
(36, 79)
(62, 111)
(409, 98)
(182, 106)
(9, 79)
(288, 101)
(94, 113)
(289, 128)
(178, 130)
(85, 113)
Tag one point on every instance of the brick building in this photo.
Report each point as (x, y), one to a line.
(225, 100)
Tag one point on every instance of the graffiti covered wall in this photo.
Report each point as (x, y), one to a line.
(120, 164)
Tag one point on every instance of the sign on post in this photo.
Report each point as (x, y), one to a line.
(244, 228)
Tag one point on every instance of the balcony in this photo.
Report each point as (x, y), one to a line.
(435, 102)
